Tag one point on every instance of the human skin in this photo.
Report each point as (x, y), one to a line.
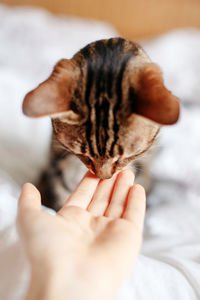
(89, 247)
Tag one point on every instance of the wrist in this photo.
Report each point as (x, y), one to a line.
(46, 284)
(60, 281)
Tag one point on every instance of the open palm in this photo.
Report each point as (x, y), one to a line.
(99, 227)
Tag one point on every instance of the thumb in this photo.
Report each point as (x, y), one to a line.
(29, 204)
(30, 198)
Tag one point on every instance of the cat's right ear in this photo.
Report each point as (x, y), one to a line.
(52, 97)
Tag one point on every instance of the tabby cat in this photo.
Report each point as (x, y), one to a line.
(107, 104)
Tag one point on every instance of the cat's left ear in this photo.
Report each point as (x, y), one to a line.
(53, 96)
(150, 98)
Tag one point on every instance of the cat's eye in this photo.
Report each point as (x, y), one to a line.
(117, 163)
(85, 159)
(120, 163)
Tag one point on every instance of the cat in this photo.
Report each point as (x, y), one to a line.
(107, 105)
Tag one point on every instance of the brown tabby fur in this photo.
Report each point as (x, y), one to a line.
(107, 104)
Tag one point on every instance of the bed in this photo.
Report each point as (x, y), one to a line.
(31, 41)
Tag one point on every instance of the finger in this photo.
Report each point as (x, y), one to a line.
(123, 183)
(135, 206)
(101, 197)
(83, 193)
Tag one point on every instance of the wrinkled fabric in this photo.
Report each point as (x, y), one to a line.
(31, 42)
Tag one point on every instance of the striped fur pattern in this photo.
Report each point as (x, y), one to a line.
(99, 124)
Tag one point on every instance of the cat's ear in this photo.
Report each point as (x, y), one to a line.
(150, 98)
(53, 96)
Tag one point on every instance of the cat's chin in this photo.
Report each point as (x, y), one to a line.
(105, 176)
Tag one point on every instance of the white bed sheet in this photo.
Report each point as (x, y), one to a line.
(31, 41)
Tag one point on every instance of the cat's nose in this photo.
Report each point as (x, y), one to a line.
(104, 173)
(104, 176)
(103, 169)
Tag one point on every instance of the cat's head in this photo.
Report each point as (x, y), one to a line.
(107, 104)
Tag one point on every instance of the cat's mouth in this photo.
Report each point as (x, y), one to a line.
(101, 175)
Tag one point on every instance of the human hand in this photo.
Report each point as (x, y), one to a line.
(89, 247)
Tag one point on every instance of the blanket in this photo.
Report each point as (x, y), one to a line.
(31, 42)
